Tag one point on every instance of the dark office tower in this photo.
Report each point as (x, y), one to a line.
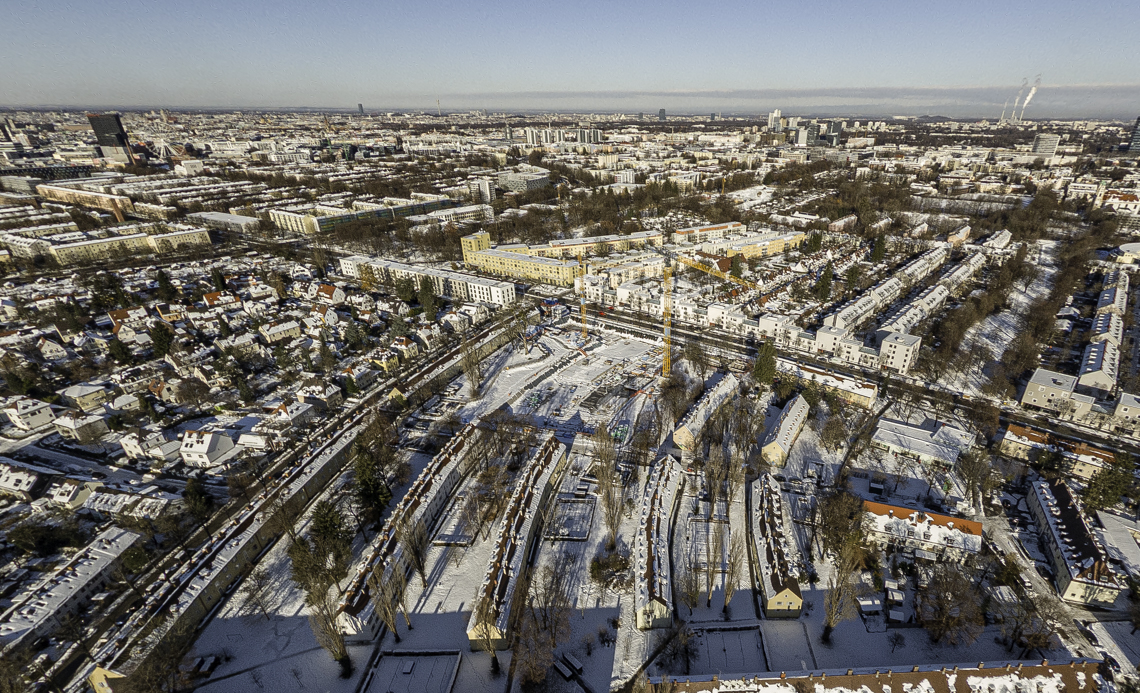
(641, 116)
(1134, 146)
(712, 116)
(111, 136)
(360, 107)
(661, 115)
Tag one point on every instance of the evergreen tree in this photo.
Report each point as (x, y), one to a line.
(218, 279)
(815, 243)
(245, 392)
(399, 326)
(328, 358)
(350, 386)
(879, 251)
(224, 329)
(764, 369)
(737, 265)
(823, 285)
(198, 501)
(427, 297)
(166, 290)
(119, 351)
(162, 339)
(1109, 484)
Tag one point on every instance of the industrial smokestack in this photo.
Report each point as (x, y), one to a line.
(1036, 83)
(1005, 106)
(1024, 83)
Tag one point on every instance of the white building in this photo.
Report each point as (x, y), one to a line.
(67, 589)
(205, 448)
(28, 414)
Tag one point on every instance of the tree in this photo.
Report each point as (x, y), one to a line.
(737, 268)
(166, 291)
(427, 297)
(610, 488)
(162, 338)
(839, 604)
(974, 468)
(485, 616)
(697, 357)
(472, 369)
(851, 278)
(879, 250)
(119, 351)
(950, 607)
(1106, 487)
(681, 646)
(194, 391)
(896, 640)
(256, 590)
(328, 358)
(688, 580)
(198, 501)
(735, 565)
(823, 284)
(370, 491)
(386, 597)
(413, 538)
(319, 562)
(764, 368)
(834, 433)
(218, 279)
(406, 289)
(398, 326)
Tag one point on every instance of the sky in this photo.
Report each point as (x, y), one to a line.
(961, 58)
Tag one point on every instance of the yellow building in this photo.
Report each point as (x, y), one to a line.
(477, 253)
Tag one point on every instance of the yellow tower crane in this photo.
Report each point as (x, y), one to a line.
(582, 295)
(667, 297)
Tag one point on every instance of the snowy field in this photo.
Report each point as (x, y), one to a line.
(553, 386)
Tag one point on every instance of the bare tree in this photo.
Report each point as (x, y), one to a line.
(611, 491)
(950, 607)
(736, 557)
(975, 469)
(715, 551)
(715, 473)
(469, 359)
(681, 646)
(322, 619)
(839, 604)
(413, 538)
(896, 640)
(385, 597)
(256, 591)
(688, 580)
(485, 617)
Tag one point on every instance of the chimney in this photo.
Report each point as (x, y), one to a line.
(1044, 662)
(915, 668)
(981, 665)
(783, 675)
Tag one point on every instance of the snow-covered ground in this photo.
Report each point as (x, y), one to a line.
(995, 333)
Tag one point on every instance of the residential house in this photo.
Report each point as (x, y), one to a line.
(1080, 563)
(50, 350)
(782, 436)
(275, 332)
(24, 481)
(927, 536)
(777, 572)
(325, 397)
(28, 414)
(931, 442)
(206, 448)
(71, 493)
(80, 427)
(83, 396)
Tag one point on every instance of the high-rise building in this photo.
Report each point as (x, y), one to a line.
(1046, 144)
(360, 107)
(1134, 146)
(111, 136)
(774, 120)
(641, 116)
(661, 115)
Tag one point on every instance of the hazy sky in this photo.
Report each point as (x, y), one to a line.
(955, 58)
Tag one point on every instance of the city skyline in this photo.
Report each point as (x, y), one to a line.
(964, 61)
